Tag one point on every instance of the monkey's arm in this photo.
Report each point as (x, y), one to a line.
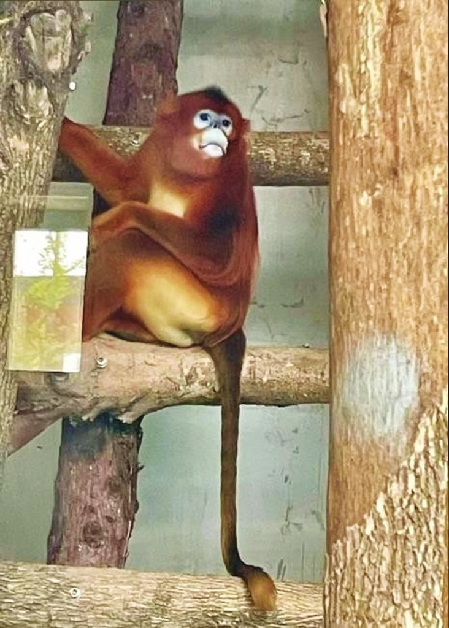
(207, 255)
(102, 166)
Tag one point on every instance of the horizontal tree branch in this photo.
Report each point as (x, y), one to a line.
(36, 596)
(277, 159)
(133, 379)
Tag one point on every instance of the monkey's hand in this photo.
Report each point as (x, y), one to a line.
(126, 215)
(101, 230)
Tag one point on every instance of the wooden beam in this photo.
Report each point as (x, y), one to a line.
(132, 379)
(36, 596)
(387, 499)
(277, 159)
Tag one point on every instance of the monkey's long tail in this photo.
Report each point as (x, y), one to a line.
(260, 586)
(228, 359)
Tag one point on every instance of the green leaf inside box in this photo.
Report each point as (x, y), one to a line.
(49, 271)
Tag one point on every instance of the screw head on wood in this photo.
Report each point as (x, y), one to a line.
(75, 592)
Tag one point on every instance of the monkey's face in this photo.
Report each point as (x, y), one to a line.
(214, 132)
(202, 130)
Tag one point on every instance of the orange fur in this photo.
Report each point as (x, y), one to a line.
(175, 259)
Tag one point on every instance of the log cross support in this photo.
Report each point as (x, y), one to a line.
(276, 158)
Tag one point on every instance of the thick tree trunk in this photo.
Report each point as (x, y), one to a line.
(276, 159)
(41, 44)
(145, 60)
(387, 507)
(96, 488)
(38, 596)
(95, 493)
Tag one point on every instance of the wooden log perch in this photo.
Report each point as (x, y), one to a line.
(36, 596)
(132, 379)
(277, 159)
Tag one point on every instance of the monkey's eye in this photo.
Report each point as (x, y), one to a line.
(203, 119)
(226, 124)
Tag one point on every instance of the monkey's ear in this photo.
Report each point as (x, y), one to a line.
(246, 126)
(168, 106)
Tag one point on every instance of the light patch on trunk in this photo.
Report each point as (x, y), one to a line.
(379, 384)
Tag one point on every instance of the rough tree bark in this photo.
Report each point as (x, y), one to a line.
(96, 487)
(95, 493)
(145, 60)
(38, 596)
(41, 44)
(277, 159)
(387, 501)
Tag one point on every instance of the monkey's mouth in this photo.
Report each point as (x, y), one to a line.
(213, 143)
(213, 150)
